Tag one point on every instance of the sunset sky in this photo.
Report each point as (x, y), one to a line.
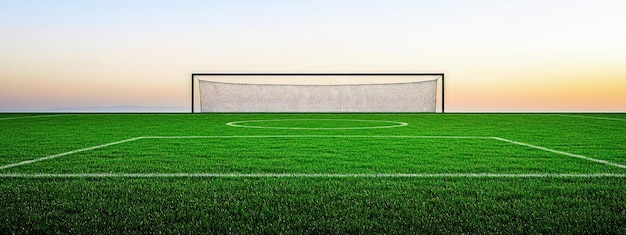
(498, 55)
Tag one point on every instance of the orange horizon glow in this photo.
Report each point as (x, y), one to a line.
(498, 56)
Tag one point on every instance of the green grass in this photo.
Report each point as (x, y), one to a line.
(320, 204)
(316, 155)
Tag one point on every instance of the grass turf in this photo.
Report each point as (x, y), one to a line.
(314, 205)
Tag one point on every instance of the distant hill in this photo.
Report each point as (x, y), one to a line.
(109, 109)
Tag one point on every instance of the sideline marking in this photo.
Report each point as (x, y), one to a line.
(35, 116)
(561, 152)
(396, 124)
(66, 153)
(295, 175)
(591, 117)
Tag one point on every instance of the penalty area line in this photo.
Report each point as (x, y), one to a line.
(295, 175)
(562, 153)
(208, 137)
(66, 153)
(316, 136)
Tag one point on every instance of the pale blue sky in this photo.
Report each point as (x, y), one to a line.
(553, 55)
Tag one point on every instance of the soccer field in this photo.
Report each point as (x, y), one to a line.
(313, 173)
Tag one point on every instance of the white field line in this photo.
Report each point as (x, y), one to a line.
(591, 117)
(395, 124)
(296, 175)
(562, 153)
(36, 116)
(208, 137)
(66, 153)
(315, 136)
(311, 136)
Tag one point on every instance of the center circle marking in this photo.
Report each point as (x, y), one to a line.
(388, 124)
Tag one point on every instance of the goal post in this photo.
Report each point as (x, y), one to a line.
(303, 92)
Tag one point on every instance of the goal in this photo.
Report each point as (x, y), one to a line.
(318, 92)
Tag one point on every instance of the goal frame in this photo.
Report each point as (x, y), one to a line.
(193, 77)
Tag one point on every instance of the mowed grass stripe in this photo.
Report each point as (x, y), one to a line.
(214, 175)
(591, 117)
(205, 137)
(282, 154)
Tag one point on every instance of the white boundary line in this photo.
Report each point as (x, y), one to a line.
(562, 153)
(315, 136)
(396, 124)
(305, 175)
(34, 116)
(66, 153)
(591, 117)
(209, 137)
(286, 175)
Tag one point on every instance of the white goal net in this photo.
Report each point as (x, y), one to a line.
(227, 97)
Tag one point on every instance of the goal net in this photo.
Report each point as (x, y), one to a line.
(402, 96)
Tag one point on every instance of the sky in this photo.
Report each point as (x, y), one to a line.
(498, 55)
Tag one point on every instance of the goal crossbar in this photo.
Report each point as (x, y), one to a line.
(194, 75)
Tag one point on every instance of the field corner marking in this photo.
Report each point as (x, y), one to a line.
(561, 152)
